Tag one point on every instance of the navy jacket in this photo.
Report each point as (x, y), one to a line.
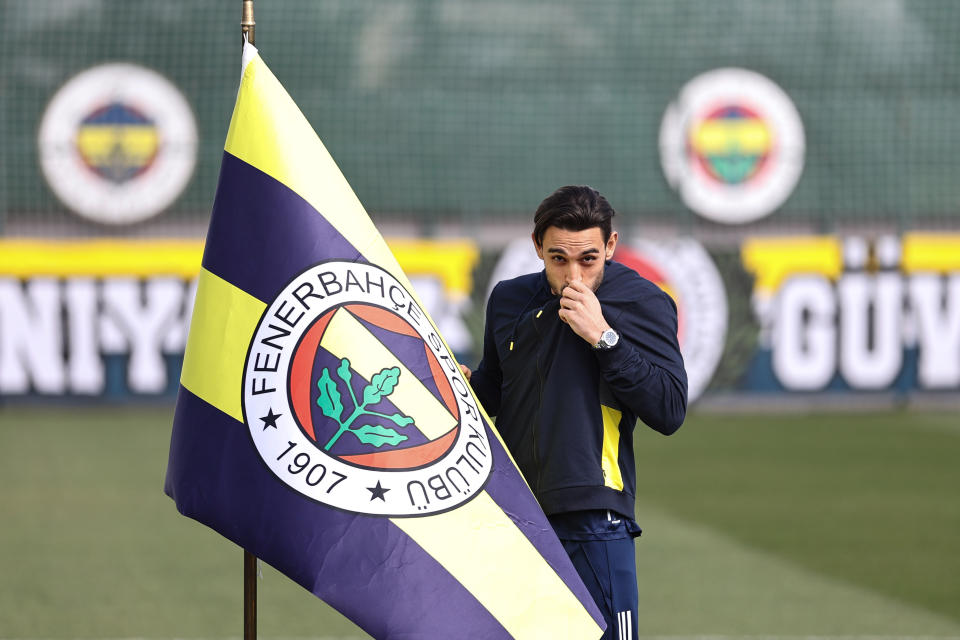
(567, 411)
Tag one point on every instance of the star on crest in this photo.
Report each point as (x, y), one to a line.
(270, 420)
(377, 492)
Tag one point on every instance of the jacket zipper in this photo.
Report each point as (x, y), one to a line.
(540, 385)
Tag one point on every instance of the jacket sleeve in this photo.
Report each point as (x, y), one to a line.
(645, 370)
(487, 377)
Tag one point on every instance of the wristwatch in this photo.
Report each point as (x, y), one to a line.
(608, 340)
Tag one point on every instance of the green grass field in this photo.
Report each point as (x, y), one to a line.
(754, 525)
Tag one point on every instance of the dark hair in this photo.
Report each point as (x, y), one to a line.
(574, 208)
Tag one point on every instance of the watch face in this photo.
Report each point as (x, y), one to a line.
(609, 338)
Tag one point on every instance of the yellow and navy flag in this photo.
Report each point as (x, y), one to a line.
(323, 425)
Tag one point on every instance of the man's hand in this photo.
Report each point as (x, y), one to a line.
(466, 371)
(580, 309)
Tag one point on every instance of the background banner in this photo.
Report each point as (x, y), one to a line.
(797, 196)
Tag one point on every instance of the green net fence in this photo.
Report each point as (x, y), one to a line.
(463, 114)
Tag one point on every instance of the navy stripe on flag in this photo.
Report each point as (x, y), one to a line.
(262, 234)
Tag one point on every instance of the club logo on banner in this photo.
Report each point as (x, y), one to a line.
(353, 400)
(732, 145)
(118, 143)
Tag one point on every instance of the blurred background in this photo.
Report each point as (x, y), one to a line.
(787, 171)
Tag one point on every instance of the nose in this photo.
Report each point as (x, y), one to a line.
(573, 272)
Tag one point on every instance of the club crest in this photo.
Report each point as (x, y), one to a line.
(118, 143)
(732, 145)
(353, 400)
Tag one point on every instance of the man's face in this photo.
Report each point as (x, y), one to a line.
(574, 255)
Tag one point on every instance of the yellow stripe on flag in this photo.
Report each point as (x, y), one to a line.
(531, 603)
(345, 337)
(611, 448)
(269, 132)
(224, 320)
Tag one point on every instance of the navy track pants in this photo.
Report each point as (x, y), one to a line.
(608, 569)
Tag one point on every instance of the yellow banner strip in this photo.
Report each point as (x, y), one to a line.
(771, 260)
(30, 258)
(346, 337)
(269, 132)
(937, 253)
(475, 543)
(452, 260)
(224, 319)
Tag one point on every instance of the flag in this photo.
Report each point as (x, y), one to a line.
(323, 425)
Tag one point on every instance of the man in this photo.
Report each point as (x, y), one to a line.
(572, 357)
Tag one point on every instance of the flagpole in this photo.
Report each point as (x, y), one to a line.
(247, 23)
(249, 596)
(247, 26)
